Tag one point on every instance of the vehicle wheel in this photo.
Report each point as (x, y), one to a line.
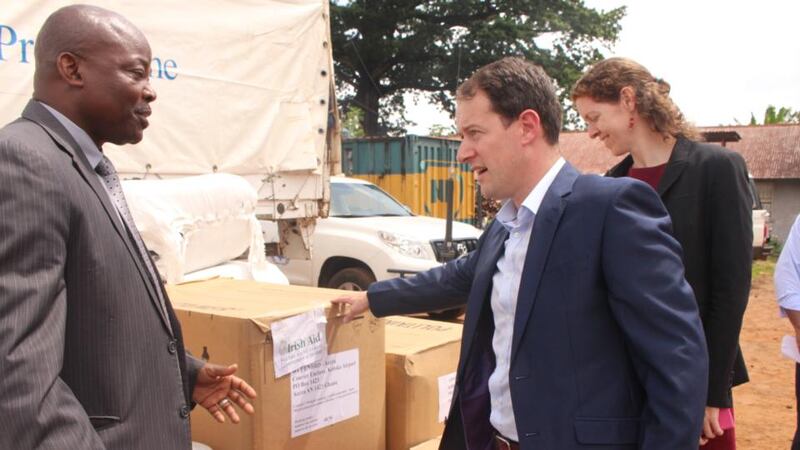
(351, 279)
(447, 315)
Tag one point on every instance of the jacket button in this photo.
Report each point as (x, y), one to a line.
(184, 412)
(172, 347)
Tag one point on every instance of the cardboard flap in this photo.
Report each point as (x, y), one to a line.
(262, 303)
(410, 335)
(409, 367)
(261, 325)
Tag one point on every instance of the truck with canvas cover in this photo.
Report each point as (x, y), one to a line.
(244, 89)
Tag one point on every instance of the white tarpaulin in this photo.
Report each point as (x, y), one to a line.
(242, 86)
(197, 222)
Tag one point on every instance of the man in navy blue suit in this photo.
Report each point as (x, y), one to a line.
(580, 330)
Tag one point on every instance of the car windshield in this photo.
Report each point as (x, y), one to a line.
(363, 200)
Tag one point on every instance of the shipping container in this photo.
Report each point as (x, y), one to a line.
(414, 170)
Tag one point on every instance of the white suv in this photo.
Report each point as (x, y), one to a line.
(762, 247)
(370, 236)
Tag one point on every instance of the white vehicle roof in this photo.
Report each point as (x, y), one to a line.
(347, 180)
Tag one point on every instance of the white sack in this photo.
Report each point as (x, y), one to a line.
(193, 223)
(239, 270)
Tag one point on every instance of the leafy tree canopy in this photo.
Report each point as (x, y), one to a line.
(774, 115)
(439, 130)
(351, 122)
(383, 48)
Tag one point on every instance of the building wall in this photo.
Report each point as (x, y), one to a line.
(782, 199)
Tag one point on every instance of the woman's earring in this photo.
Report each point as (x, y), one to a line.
(630, 123)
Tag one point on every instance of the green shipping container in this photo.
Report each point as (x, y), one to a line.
(414, 170)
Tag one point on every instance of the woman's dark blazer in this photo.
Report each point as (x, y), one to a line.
(705, 189)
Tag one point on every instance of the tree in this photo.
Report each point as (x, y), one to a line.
(383, 48)
(773, 116)
(352, 122)
(439, 130)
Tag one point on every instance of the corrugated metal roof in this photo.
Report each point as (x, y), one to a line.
(771, 151)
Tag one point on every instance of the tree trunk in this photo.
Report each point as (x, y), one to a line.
(368, 99)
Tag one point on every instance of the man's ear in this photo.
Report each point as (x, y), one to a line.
(530, 125)
(69, 68)
(627, 98)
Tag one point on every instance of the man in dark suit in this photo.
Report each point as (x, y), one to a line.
(580, 329)
(91, 354)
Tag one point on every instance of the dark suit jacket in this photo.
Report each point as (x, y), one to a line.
(87, 359)
(705, 190)
(607, 350)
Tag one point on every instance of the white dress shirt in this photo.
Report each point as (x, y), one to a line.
(787, 272)
(505, 288)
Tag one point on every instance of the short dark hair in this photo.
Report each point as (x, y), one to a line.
(513, 85)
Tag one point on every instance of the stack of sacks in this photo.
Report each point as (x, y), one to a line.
(201, 222)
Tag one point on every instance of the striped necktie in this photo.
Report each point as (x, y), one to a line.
(109, 175)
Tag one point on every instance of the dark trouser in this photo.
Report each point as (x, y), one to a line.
(796, 441)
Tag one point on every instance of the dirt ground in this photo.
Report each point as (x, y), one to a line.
(765, 407)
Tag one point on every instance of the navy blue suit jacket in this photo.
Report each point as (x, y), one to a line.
(607, 351)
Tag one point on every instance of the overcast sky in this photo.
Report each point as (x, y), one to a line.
(723, 59)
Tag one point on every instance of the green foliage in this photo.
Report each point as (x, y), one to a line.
(774, 115)
(439, 130)
(383, 48)
(777, 248)
(782, 115)
(351, 122)
(764, 268)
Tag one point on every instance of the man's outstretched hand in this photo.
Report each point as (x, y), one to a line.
(218, 390)
(357, 302)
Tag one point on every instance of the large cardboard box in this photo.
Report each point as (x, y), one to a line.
(433, 444)
(229, 321)
(421, 362)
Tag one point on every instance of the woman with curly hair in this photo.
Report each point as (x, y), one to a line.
(705, 190)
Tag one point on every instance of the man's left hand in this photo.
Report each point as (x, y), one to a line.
(217, 390)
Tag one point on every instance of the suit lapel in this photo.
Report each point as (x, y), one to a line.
(491, 250)
(544, 228)
(675, 166)
(37, 113)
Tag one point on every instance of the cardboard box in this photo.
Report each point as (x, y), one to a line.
(421, 362)
(433, 444)
(229, 321)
